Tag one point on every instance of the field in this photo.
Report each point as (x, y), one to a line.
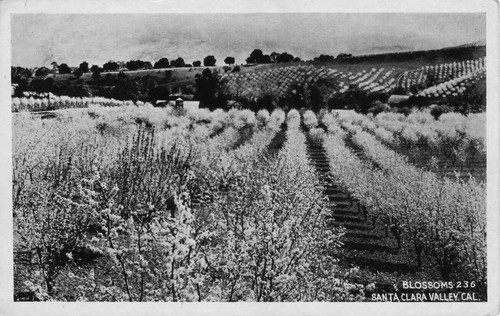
(436, 83)
(432, 75)
(135, 203)
(429, 80)
(179, 74)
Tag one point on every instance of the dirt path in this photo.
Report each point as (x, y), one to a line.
(367, 243)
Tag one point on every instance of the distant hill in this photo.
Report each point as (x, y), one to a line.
(442, 55)
(390, 49)
(476, 43)
(408, 48)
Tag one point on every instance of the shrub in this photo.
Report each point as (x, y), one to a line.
(263, 117)
(276, 118)
(405, 111)
(293, 118)
(310, 119)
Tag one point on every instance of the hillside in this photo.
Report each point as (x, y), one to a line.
(377, 74)
(382, 68)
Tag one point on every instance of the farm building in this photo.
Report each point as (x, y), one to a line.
(173, 103)
(233, 104)
(163, 103)
(398, 100)
(13, 88)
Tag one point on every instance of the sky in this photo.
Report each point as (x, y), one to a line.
(40, 39)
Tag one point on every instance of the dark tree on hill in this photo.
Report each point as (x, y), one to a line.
(21, 77)
(110, 66)
(357, 99)
(209, 89)
(158, 93)
(138, 64)
(96, 74)
(399, 90)
(125, 88)
(133, 64)
(266, 59)
(42, 85)
(121, 65)
(42, 72)
(78, 72)
(108, 80)
(297, 59)
(274, 57)
(162, 63)
(179, 62)
(84, 67)
(343, 55)
(95, 68)
(196, 63)
(255, 57)
(324, 58)
(295, 97)
(80, 89)
(284, 58)
(209, 61)
(319, 93)
(168, 75)
(437, 111)
(229, 60)
(19, 73)
(313, 95)
(265, 102)
(64, 69)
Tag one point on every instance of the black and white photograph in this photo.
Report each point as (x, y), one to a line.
(248, 155)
